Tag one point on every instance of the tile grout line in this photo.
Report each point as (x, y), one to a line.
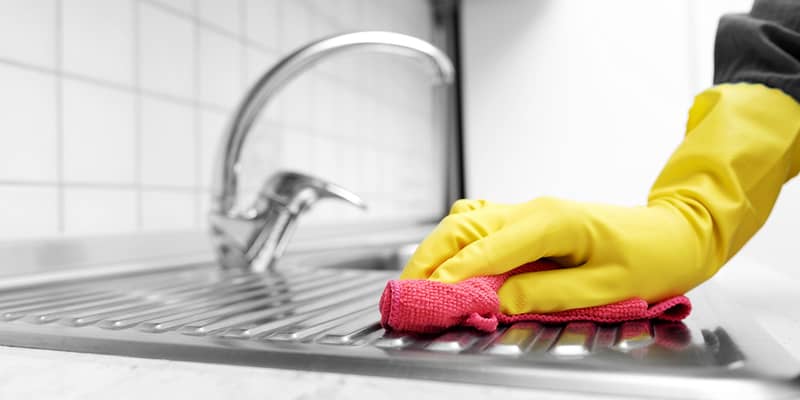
(381, 99)
(96, 185)
(243, 69)
(242, 39)
(197, 120)
(279, 38)
(195, 103)
(59, 99)
(244, 45)
(202, 23)
(112, 85)
(138, 123)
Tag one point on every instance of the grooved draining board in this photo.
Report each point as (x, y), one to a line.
(327, 319)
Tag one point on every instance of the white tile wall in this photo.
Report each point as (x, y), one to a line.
(112, 111)
(35, 21)
(28, 148)
(166, 51)
(212, 122)
(98, 125)
(97, 39)
(93, 211)
(184, 6)
(256, 62)
(168, 210)
(295, 25)
(168, 143)
(28, 211)
(262, 22)
(220, 67)
(224, 15)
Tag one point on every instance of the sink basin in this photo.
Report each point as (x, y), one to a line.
(320, 313)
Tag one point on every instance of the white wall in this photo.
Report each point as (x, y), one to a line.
(110, 110)
(579, 99)
(586, 100)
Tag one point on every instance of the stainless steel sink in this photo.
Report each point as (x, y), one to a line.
(321, 314)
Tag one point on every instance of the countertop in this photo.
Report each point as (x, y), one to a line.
(42, 374)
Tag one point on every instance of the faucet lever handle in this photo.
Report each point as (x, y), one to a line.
(333, 191)
(297, 191)
(284, 196)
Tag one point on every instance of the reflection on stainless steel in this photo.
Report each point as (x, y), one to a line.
(575, 340)
(672, 335)
(454, 341)
(634, 335)
(255, 237)
(516, 339)
(724, 348)
(326, 318)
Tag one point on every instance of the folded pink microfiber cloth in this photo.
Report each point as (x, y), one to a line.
(425, 306)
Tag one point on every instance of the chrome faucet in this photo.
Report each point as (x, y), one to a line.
(254, 237)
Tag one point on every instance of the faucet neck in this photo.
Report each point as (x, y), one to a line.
(226, 184)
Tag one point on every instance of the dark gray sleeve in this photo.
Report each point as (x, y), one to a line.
(761, 47)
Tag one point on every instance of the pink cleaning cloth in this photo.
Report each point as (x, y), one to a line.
(427, 306)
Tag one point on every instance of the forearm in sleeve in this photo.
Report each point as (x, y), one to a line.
(762, 46)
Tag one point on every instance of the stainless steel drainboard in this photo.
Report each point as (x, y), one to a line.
(327, 319)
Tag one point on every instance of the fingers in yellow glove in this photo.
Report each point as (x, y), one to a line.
(714, 193)
(465, 205)
(547, 231)
(453, 233)
(483, 239)
(562, 289)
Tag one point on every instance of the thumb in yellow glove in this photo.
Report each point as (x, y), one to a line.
(715, 192)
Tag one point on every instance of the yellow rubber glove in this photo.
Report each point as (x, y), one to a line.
(715, 192)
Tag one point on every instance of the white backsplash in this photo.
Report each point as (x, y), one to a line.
(111, 110)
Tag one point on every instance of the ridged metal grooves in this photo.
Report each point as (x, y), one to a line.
(327, 319)
(204, 303)
(330, 307)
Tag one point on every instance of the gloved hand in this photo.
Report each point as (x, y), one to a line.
(715, 192)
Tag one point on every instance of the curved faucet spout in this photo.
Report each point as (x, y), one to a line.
(225, 185)
(254, 237)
